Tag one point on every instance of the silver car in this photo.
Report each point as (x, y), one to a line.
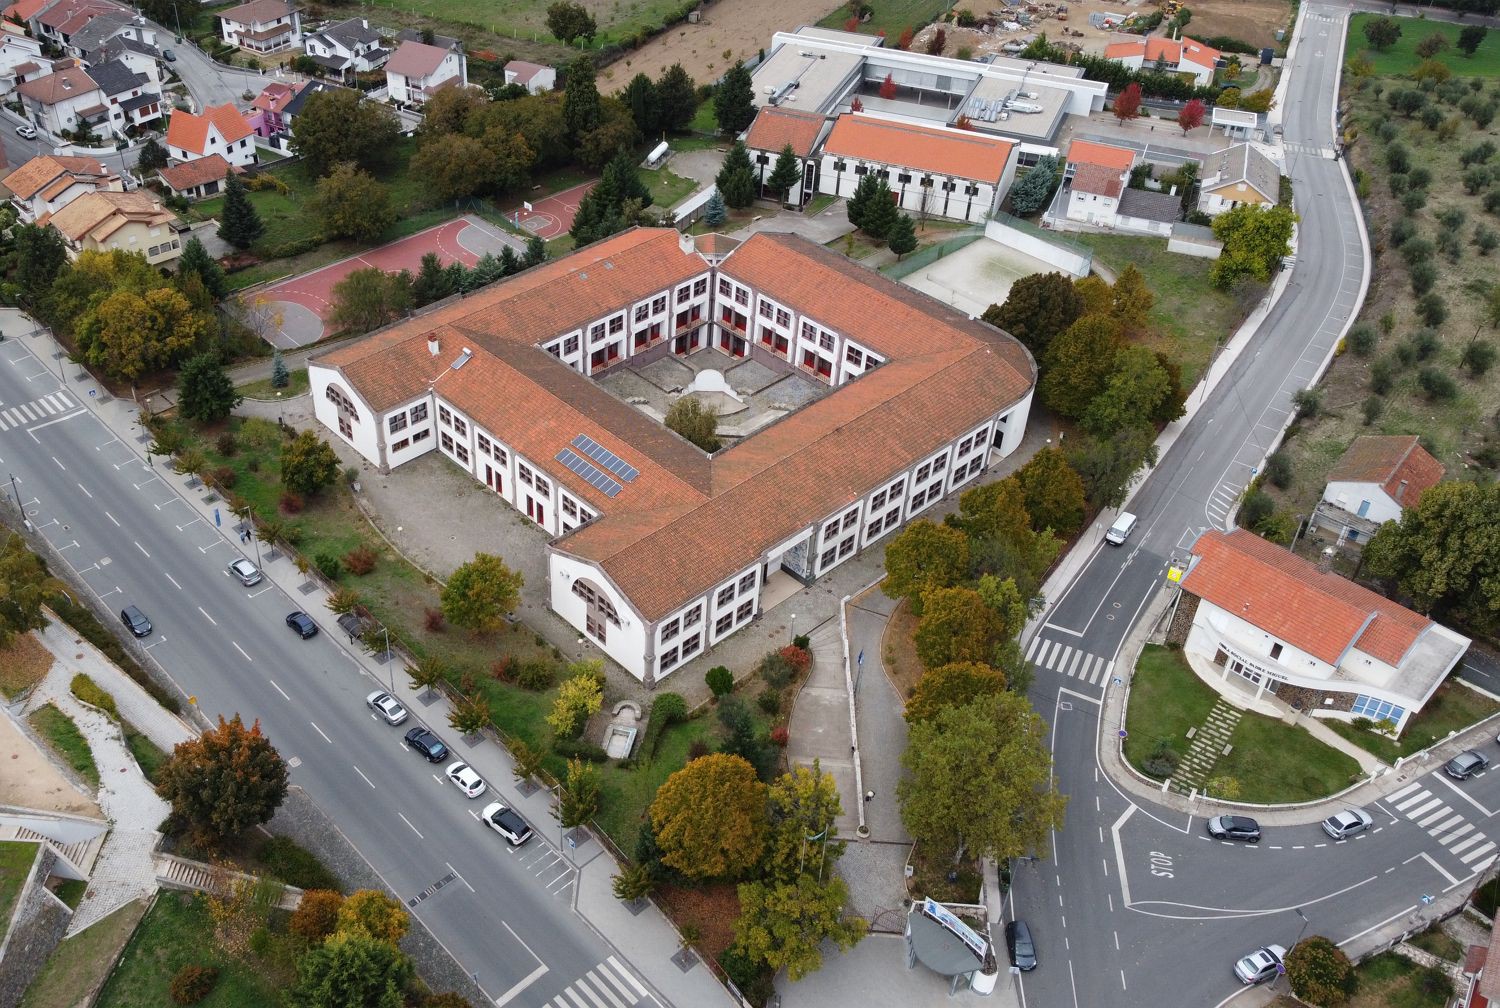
(1342, 825)
(246, 572)
(1265, 963)
(387, 706)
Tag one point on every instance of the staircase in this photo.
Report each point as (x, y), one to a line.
(75, 859)
(174, 872)
(1209, 742)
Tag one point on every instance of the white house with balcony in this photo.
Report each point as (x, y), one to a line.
(417, 71)
(262, 25)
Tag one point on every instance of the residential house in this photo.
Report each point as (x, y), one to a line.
(142, 57)
(1480, 985)
(221, 129)
(1321, 644)
(1373, 482)
(1237, 124)
(61, 21)
(129, 221)
(1156, 52)
(534, 77)
(195, 180)
(46, 184)
(347, 48)
(132, 99)
(932, 170)
(24, 13)
(1237, 176)
(64, 100)
(416, 71)
(293, 108)
(773, 129)
(20, 60)
(1094, 178)
(265, 114)
(88, 40)
(262, 25)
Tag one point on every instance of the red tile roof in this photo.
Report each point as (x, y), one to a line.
(36, 174)
(1097, 179)
(1289, 598)
(947, 151)
(191, 174)
(23, 11)
(190, 132)
(1086, 152)
(774, 128)
(258, 11)
(274, 97)
(1159, 48)
(415, 59)
(1389, 461)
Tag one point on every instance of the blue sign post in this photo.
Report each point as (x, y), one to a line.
(217, 519)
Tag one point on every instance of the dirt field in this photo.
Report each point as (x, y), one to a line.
(1253, 21)
(29, 779)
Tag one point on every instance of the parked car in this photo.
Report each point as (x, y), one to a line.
(387, 706)
(1020, 946)
(26, 131)
(302, 624)
(466, 779)
(429, 745)
(1265, 963)
(507, 823)
(1466, 764)
(169, 56)
(247, 573)
(1234, 827)
(1342, 825)
(135, 621)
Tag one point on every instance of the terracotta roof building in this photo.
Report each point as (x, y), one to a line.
(197, 179)
(1374, 481)
(130, 222)
(48, 183)
(771, 132)
(221, 129)
(534, 77)
(1094, 178)
(262, 25)
(849, 404)
(1185, 55)
(417, 71)
(1317, 641)
(1241, 174)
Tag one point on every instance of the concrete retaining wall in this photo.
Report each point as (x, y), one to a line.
(35, 928)
(1066, 260)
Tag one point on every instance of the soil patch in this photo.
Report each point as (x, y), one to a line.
(31, 781)
(900, 648)
(711, 910)
(24, 664)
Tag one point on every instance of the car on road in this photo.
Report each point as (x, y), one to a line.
(1020, 946)
(135, 621)
(466, 779)
(507, 823)
(26, 131)
(302, 623)
(1265, 963)
(1342, 825)
(1234, 827)
(387, 706)
(247, 573)
(1466, 764)
(429, 745)
(169, 56)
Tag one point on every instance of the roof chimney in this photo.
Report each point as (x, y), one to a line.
(433, 347)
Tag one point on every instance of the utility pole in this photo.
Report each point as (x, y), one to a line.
(17, 492)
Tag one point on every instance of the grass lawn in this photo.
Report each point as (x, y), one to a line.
(1452, 708)
(704, 121)
(147, 756)
(22, 665)
(71, 891)
(667, 188)
(1402, 58)
(1439, 943)
(79, 965)
(296, 385)
(15, 862)
(819, 203)
(626, 794)
(65, 738)
(1166, 699)
(893, 17)
(1393, 981)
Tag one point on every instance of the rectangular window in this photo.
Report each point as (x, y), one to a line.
(444, 415)
(763, 308)
(446, 442)
(463, 454)
(404, 442)
(971, 190)
(840, 166)
(878, 501)
(1276, 650)
(831, 529)
(690, 645)
(570, 346)
(460, 428)
(725, 596)
(923, 471)
(398, 422)
(692, 617)
(596, 332)
(542, 486)
(684, 292)
(809, 332)
(700, 286)
(918, 499)
(825, 340)
(741, 296)
(484, 443)
(860, 169)
(642, 312)
(723, 623)
(783, 317)
(747, 583)
(853, 356)
(617, 325)
(725, 287)
(809, 359)
(668, 659)
(828, 557)
(965, 445)
(897, 488)
(903, 178)
(671, 629)
(569, 508)
(523, 471)
(659, 305)
(846, 547)
(825, 367)
(851, 518)
(500, 455)
(744, 611)
(421, 435)
(1377, 710)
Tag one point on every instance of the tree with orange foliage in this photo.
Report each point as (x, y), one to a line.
(904, 42)
(1128, 103)
(223, 782)
(1191, 116)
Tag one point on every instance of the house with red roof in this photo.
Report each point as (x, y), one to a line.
(1156, 52)
(221, 129)
(773, 130)
(46, 184)
(262, 25)
(1373, 482)
(1481, 985)
(1256, 613)
(417, 71)
(534, 77)
(265, 113)
(195, 180)
(1094, 178)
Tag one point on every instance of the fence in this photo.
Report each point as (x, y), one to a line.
(931, 254)
(1045, 245)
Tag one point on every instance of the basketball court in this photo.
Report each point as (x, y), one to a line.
(551, 216)
(976, 276)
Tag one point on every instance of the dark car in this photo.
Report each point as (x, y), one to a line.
(303, 624)
(1020, 946)
(169, 56)
(1461, 767)
(1234, 827)
(135, 621)
(429, 745)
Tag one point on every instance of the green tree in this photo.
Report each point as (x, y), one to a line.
(633, 883)
(470, 715)
(1382, 32)
(536, 252)
(374, 913)
(734, 100)
(1131, 301)
(624, 177)
(433, 281)
(902, 236)
(709, 818)
(454, 166)
(862, 198)
(339, 125)
(1256, 239)
(1079, 364)
(369, 298)
(979, 780)
(351, 970)
(1095, 294)
(715, 213)
(239, 224)
(786, 174)
(959, 625)
(351, 204)
(882, 212)
(992, 510)
(580, 99)
(695, 421)
(426, 673)
(1320, 972)
(1133, 395)
(1052, 492)
(152, 157)
(956, 684)
(223, 782)
(570, 21)
(1432, 45)
(784, 924)
(196, 261)
(578, 800)
(645, 107)
(803, 828)
(480, 592)
(1034, 190)
(924, 556)
(25, 587)
(678, 98)
(1469, 38)
(736, 178)
(204, 390)
(128, 334)
(615, 134)
(1108, 465)
(1444, 553)
(720, 681)
(41, 256)
(1037, 308)
(578, 698)
(598, 216)
(308, 464)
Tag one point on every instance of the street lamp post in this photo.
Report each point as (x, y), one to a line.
(794, 625)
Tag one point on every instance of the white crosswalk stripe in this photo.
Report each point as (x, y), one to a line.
(607, 985)
(25, 413)
(1437, 819)
(1073, 662)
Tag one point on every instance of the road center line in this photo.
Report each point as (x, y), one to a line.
(85, 491)
(362, 775)
(112, 518)
(413, 828)
(173, 580)
(207, 616)
(59, 464)
(459, 877)
(142, 549)
(278, 689)
(242, 651)
(329, 741)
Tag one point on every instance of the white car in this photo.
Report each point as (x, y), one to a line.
(245, 572)
(1342, 825)
(1265, 963)
(26, 131)
(387, 706)
(507, 823)
(466, 779)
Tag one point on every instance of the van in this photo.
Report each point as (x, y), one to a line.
(1121, 529)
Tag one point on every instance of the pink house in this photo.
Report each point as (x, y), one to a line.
(264, 114)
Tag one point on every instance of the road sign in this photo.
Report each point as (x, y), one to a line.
(93, 392)
(217, 519)
(1174, 574)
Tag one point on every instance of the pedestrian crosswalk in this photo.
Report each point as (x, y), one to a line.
(1298, 148)
(37, 409)
(607, 985)
(1075, 663)
(1433, 815)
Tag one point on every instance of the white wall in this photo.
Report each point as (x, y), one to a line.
(955, 205)
(1068, 261)
(363, 434)
(625, 643)
(1349, 496)
(1091, 208)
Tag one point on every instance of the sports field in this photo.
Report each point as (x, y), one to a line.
(1401, 59)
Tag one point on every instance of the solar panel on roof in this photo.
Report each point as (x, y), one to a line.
(605, 457)
(591, 474)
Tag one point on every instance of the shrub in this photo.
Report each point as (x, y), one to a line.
(1362, 339)
(1402, 231)
(1414, 200)
(1320, 972)
(776, 670)
(1478, 357)
(780, 736)
(1256, 508)
(769, 701)
(328, 565)
(503, 668)
(222, 477)
(432, 619)
(720, 680)
(1306, 404)
(1382, 376)
(291, 502)
(1492, 201)
(294, 865)
(536, 674)
(698, 749)
(1416, 250)
(226, 444)
(192, 984)
(1371, 409)
(799, 658)
(572, 748)
(802, 641)
(360, 560)
(1163, 761)
(317, 916)
(1452, 217)
(94, 695)
(1423, 275)
(1432, 309)
(666, 710)
(1426, 343)
(1439, 385)
(1279, 469)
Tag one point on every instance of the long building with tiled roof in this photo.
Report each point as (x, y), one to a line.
(662, 550)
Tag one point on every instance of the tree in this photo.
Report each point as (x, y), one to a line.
(862, 198)
(40, 257)
(677, 98)
(624, 178)
(240, 225)
(992, 510)
(1128, 103)
(1444, 553)
(369, 298)
(744, 739)
(709, 818)
(351, 971)
(1131, 398)
(714, 211)
(128, 334)
(1079, 364)
(1382, 32)
(371, 912)
(339, 125)
(734, 100)
(1320, 972)
(570, 21)
(1469, 38)
(936, 43)
(1034, 189)
(979, 780)
(224, 781)
(1478, 357)
(536, 252)
(153, 157)
(888, 87)
(204, 390)
(1432, 45)
(308, 464)
(1255, 238)
(1095, 294)
(902, 236)
(317, 915)
(924, 556)
(426, 673)
(196, 261)
(881, 215)
(955, 684)
(1191, 116)
(351, 204)
(645, 107)
(25, 587)
(1131, 301)
(479, 594)
(454, 166)
(578, 699)
(633, 883)
(787, 173)
(1052, 492)
(957, 625)
(1037, 308)
(784, 924)
(578, 800)
(720, 681)
(470, 714)
(433, 281)
(803, 839)
(695, 421)
(614, 134)
(736, 178)
(1108, 465)
(598, 215)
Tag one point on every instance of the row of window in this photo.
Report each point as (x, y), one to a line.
(677, 654)
(689, 619)
(904, 178)
(416, 415)
(1377, 710)
(407, 442)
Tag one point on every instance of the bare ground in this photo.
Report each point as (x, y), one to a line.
(28, 778)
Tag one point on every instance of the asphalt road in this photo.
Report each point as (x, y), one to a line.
(504, 915)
